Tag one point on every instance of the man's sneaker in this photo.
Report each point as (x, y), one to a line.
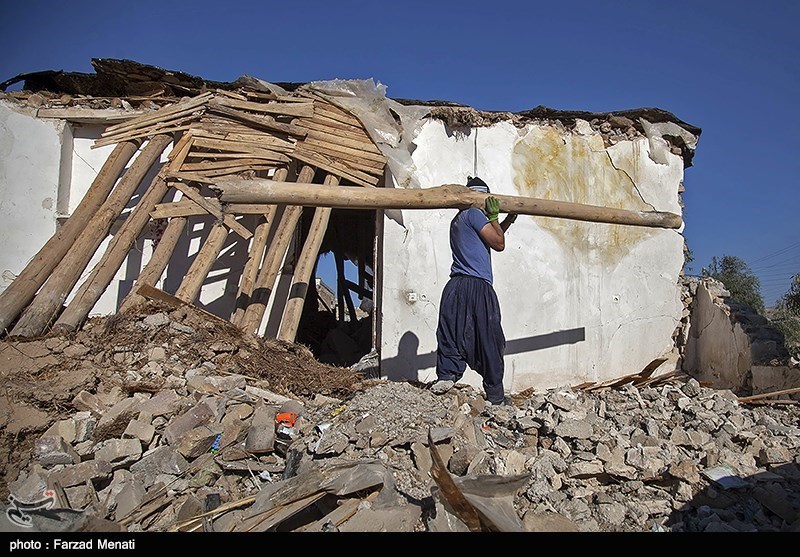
(441, 387)
(505, 402)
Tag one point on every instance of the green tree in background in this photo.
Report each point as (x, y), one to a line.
(786, 317)
(738, 279)
(792, 297)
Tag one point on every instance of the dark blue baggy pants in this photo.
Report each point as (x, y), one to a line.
(469, 333)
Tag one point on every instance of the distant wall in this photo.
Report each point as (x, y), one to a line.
(730, 346)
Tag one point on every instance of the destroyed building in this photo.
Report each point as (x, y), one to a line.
(112, 194)
(154, 354)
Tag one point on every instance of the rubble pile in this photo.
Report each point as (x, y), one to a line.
(164, 419)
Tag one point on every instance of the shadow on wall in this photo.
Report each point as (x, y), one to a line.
(226, 269)
(407, 364)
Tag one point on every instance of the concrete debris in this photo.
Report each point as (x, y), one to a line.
(220, 441)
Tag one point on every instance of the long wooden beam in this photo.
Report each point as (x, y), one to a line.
(273, 257)
(20, 292)
(256, 191)
(48, 301)
(304, 267)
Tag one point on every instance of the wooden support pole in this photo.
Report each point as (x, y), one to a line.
(119, 247)
(20, 292)
(48, 301)
(234, 190)
(197, 273)
(158, 262)
(305, 267)
(255, 258)
(272, 261)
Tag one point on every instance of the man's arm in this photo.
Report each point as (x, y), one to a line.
(493, 232)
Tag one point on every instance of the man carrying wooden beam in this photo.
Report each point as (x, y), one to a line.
(469, 330)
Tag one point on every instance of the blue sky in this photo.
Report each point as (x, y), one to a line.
(731, 68)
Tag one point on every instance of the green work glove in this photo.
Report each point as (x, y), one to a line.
(492, 208)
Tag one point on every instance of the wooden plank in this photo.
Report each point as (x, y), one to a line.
(198, 272)
(153, 293)
(160, 114)
(213, 207)
(108, 136)
(358, 155)
(285, 109)
(274, 516)
(276, 251)
(89, 115)
(304, 267)
(246, 149)
(230, 94)
(51, 296)
(167, 126)
(237, 169)
(210, 204)
(260, 121)
(158, 261)
(353, 161)
(462, 508)
(334, 126)
(339, 515)
(188, 176)
(179, 147)
(183, 208)
(261, 190)
(752, 398)
(206, 155)
(23, 289)
(325, 110)
(106, 268)
(215, 165)
(334, 167)
(357, 141)
(259, 139)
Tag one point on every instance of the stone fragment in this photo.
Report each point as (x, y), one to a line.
(140, 430)
(129, 499)
(89, 470)
(119, 452)
(162, 404)
(198, 441)
(52, 450)
(261, 435)
(198, 415)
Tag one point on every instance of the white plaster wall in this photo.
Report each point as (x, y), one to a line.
(580, 301)
(30, 155)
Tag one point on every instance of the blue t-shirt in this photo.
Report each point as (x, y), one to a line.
(471, 255)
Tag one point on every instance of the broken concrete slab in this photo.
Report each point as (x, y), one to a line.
(198, 441)
(76, 474)
(119, 452)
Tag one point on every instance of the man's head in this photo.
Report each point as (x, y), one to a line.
(478, 185)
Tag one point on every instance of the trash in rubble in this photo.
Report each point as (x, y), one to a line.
(725, 476)
(215, 445)
(338, 410)
(285, 424)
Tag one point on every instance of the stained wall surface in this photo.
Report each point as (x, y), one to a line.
(580, 301)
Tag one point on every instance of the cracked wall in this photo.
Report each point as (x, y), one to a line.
(580, 301)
